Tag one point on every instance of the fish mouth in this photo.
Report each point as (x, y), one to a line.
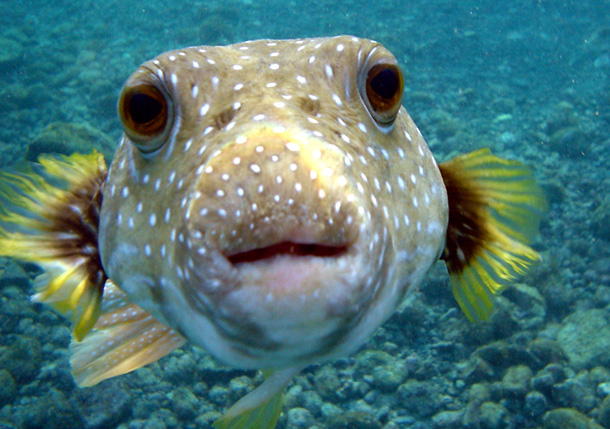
(287, 249)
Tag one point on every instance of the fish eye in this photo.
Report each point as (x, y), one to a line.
(144, 112)
(384, 86)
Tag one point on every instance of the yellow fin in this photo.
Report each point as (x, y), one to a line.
(50, 217)
(495, 207)
(124, 339)
(260, 408)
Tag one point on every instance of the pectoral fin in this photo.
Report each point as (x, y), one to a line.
(124, 339)
(495, 207)
(49, 215)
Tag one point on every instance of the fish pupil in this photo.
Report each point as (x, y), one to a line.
(385, 83)
(384, 86)
(143, 108)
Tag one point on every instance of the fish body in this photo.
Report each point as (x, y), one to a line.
(270, 201)
(272, 144)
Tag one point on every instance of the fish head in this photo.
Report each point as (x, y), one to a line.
(252, 203)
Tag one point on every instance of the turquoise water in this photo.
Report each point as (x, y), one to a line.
(531, 79)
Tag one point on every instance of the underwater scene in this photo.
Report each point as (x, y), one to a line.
(268, 215)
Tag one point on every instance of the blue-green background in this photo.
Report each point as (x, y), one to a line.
(531, 79)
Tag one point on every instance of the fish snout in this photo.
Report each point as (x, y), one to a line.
(272, 192)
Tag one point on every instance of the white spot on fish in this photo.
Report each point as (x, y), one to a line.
(294, 147)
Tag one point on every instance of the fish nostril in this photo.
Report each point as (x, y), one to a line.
(225, 117)
(310, 106)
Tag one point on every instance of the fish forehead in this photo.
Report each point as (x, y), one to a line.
(311, 84)
(265, 67)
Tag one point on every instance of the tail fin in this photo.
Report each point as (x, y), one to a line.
(495, 207)
(50, 217)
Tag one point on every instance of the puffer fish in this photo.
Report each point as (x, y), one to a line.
(270, 201)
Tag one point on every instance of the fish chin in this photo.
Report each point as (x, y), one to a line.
(290, 303)
(303, 303)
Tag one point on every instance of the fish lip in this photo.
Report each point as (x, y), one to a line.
(288, 248)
